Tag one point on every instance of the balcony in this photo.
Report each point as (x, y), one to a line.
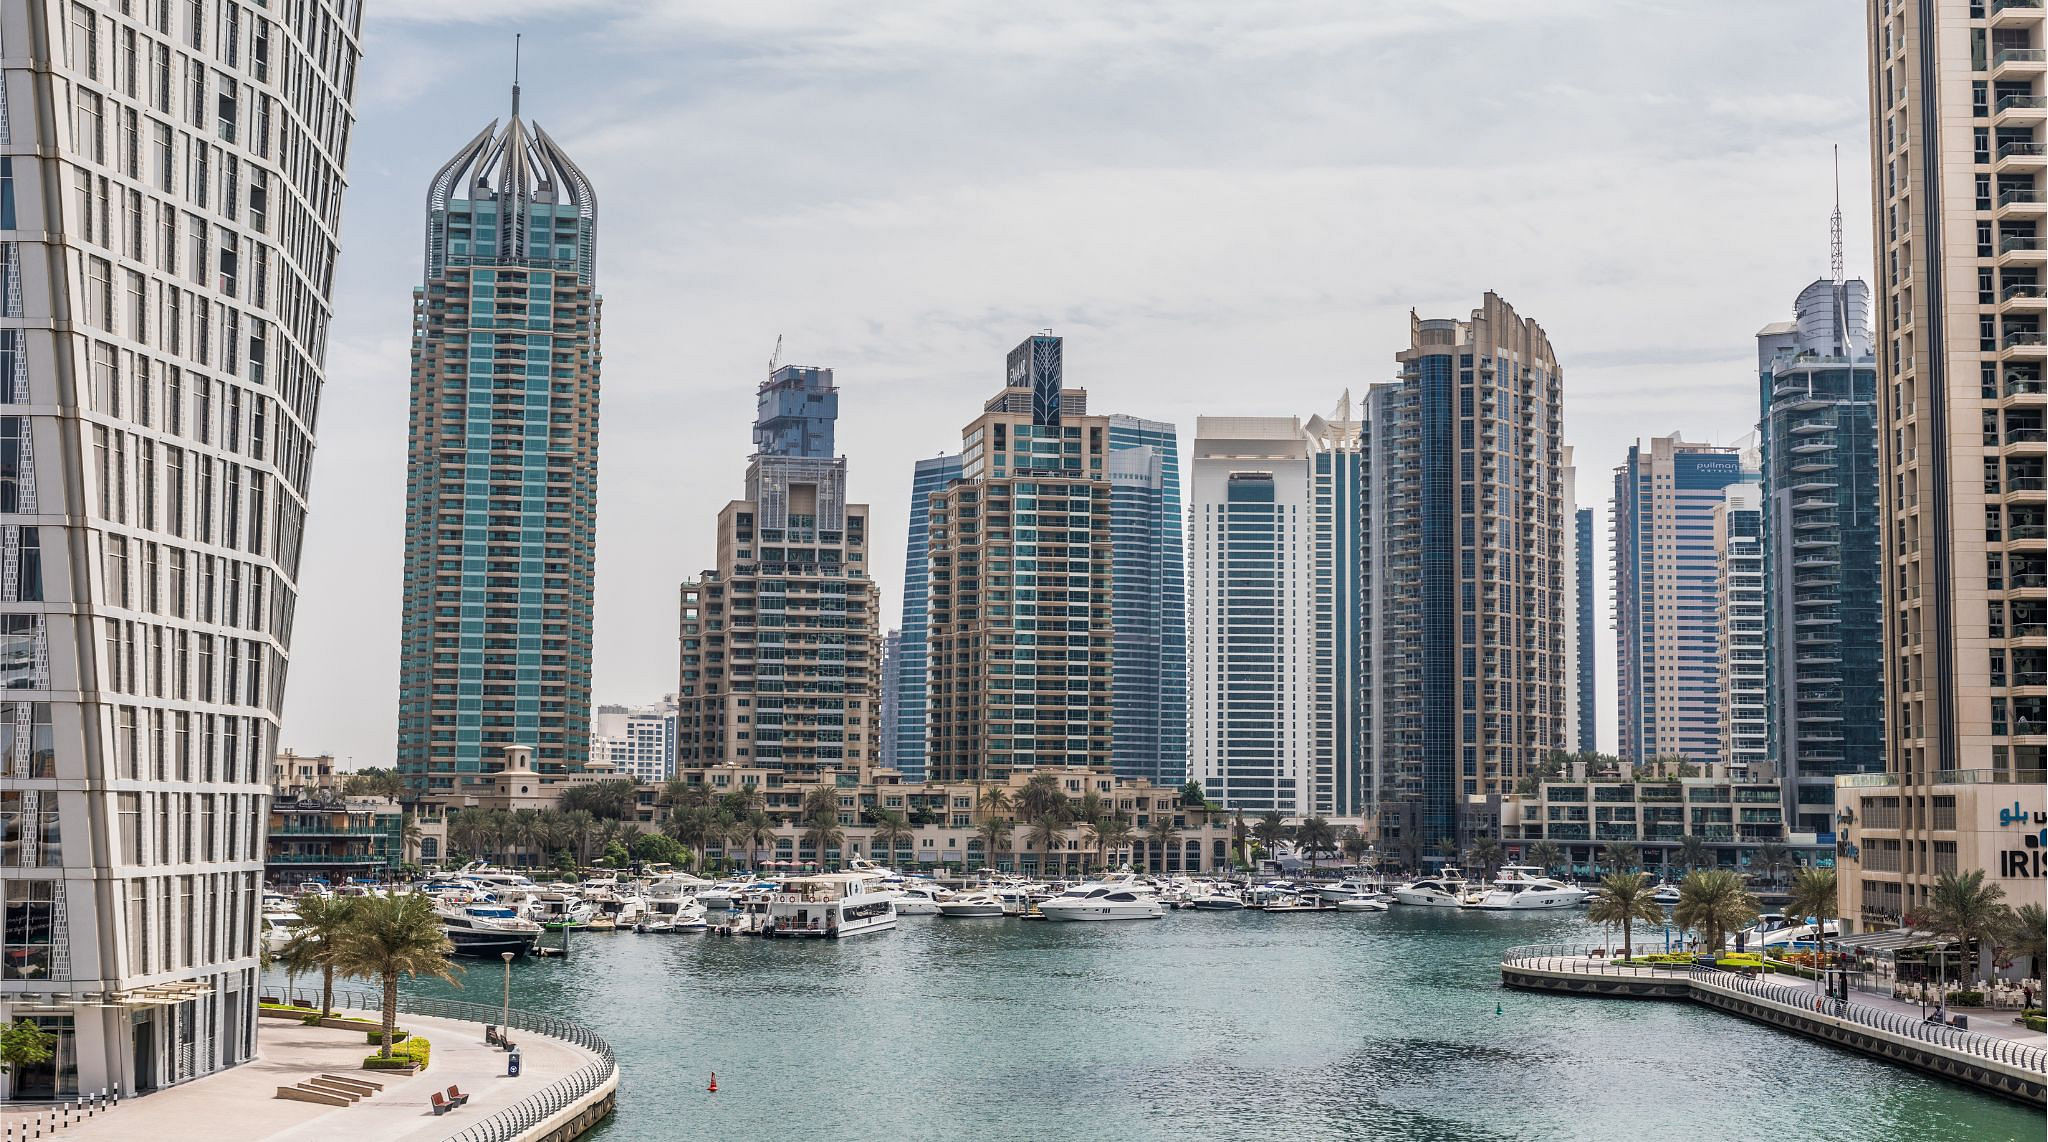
(2013, 109)
(2019, 202)
(1813, 425)
(2019, 249)
(2018, 63)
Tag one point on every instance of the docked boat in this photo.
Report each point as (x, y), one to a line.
(920, 899)
(1216, 899)
(1516, 891)
(1346, 889)
(1444, 890)
(978, 905)
(1666, 895)
(1364, 904)
(1103, 900)
(671, 914)
(832, 905)
(556, 910)
(488, 929)
(279, 926)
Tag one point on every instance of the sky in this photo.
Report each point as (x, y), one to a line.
(1225, 208)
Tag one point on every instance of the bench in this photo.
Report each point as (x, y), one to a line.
(456, 1097)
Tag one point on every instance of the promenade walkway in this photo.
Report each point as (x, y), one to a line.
(241, 1103)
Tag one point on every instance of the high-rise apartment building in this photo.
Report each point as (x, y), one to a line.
(891, 711)
(1149, 676)
(1744, 706)
(1956, 91)
(1568, 564)
(1277, 590)
(1587, 735)
(1022, 580)
(913, 659)
(1480, 443)
(638, 741)
(781, 644)
(170, 202)
(1668, 650)
(1823, 538)
(501, 472)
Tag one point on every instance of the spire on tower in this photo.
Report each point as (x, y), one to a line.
(1835, 225)
(516, 36)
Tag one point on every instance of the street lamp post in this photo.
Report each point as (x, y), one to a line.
(505, 1022)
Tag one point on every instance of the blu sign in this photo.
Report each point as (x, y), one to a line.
(2025, 862)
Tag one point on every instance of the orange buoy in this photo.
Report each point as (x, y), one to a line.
(713, 1088)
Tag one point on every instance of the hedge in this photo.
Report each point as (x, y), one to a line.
(2036, 1023)
(411, 1053)
(1967, 999)
(398, 1035)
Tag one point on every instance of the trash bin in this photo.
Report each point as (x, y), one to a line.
(512, 1063)
(1960, 1022)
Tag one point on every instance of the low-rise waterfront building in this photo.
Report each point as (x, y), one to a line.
(333, 839)
(1888, 836)
(1735, 818)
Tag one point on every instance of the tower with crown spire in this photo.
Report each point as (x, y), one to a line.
(501, 480)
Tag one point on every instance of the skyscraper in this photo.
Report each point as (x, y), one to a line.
(891, 711)
(501, 472)
(1667, 647)
(781, 647)
(928, 478)
(1587, 736)
(1480, 441)
(1149, 678)
(1744, 704)
(1022, 623)
(1568, 566)
(169, 220)
(1817, 382)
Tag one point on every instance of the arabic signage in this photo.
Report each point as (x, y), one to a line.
(2025, 862)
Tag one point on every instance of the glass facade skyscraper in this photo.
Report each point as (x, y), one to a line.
(501, 476)
(170, 212)
(1817, 384)
(912, 663)
(1149, 680)
(1588, 738)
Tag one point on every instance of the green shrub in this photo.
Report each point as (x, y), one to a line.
(398, 1035)
(1967, 999)
(2036, 1023)
(411, 1053)
(2034, 1011)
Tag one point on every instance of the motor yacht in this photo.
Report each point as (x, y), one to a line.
(980, 904)
(1104, 900)
(1443, 890)
(664, 914)
(1364, 904)
(279, 926)
(1522, 893)
(487, 929)
(1775, 931)
(1215, 898)
(1346, 889)
(920, 899)
(832, 905)
(1666, 895)
(556, 910)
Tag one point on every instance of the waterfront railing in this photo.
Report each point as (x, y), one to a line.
(513, 1121)
(1580, 959)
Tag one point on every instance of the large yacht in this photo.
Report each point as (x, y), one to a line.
(1444, 890)
(1517, 891)
(1121, 899)
(1346, 889)
(977, 905)
(919, 898)
(487, 929)
(831, 905)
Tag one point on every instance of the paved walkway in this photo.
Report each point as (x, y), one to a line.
(241, 1102)
(1983, 1021)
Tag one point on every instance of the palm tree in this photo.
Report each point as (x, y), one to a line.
(821, 833)
(1240, 836)
(1164, 834)
(1486, 856)
(1314, 837)
(316, 944)
(995, 834)
(1546, 854)
(891, 828)
(1270, 831)
(1353, 844)
(1814, 894)
(993, 798)
(1624, 858)
(1693, 853)
(1091, 808)
(393, 936)
(1966, 908)
(1773, 858)
(2030, 933)
(1713, 903)
(818, 803)
(1047, 830)
(755, 830)
(1624, 898)
(1111, 832)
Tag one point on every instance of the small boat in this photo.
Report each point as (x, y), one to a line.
(983, 904)
(1295, 902)
(1364, 904)
(279, 926)
(1666, 895)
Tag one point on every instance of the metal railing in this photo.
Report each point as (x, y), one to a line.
(1577, 959)
(510, 1123)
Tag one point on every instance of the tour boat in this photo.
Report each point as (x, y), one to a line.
(832, 905)
(978, 905)
(1103, 900)
(1440, 891)
(487, 929)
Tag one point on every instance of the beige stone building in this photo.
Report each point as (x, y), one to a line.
(1956, 98)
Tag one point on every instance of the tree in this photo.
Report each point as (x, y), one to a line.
(995, 834)
(1353, 844)
(1486, 857)
(1091, 808)
(994, 799)
(25, 1044)
(2030, 932)
(657, 848)
(756, 831)
(821, 833)
(393, 936)
(890, 830)
(1547, 855)
(1164, 835)
(1814, 894)
(1192, 795)
(1624, 858)
(1713, 903)
(373, 782)
(1773, 858)
(1624, 898)
(615, 800)
(317, 943)
(1314, 837)
(1111, 832)
(1270, 831)
(1693, 853)
(1240, 838)
(1965, 908)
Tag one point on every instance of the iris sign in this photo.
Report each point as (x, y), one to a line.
(2027, 861)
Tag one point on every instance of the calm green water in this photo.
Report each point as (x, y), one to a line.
(1378, 1026)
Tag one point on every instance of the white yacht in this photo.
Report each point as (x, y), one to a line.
(1666, 895)
(665, 914)
(1528, 894)
(1776, 931)
(831, 905)
(1346, 889)
(980, 904)
(279, 926)
(1364, 904)
(1104, 900)
(554, 910)
(919, 899)
(1443, 890)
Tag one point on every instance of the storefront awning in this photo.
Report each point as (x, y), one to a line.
(1895, 940)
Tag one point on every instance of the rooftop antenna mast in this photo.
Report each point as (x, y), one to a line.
(516, 36)
(1835, 224)
(775, 358)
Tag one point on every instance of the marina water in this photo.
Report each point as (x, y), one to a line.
(1318, 1026)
